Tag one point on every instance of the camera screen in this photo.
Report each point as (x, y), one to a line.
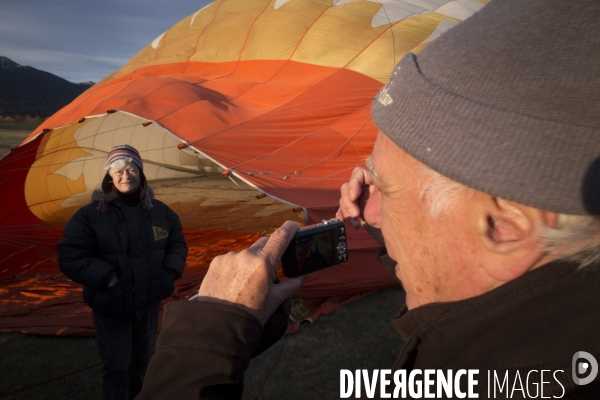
(314, 252)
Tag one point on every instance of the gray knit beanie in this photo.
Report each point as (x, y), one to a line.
(507, 103)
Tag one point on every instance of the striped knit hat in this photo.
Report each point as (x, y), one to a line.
(124, 152)
(129, 153)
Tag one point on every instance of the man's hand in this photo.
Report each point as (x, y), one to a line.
(245, 279)
(360, 204)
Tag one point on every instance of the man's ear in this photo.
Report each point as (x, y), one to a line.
(510, 233)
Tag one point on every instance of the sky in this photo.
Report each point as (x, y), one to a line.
(85, 40)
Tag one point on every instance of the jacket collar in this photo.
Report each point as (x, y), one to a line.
(408, 322)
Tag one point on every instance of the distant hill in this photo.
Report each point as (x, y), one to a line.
(28, 91)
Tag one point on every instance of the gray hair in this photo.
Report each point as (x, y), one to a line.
(120, 164)
(575, 238)
(439, 192)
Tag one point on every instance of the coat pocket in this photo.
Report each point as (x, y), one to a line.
(112, 301)
(167, 284)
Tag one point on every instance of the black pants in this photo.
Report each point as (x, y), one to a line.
(125, 346)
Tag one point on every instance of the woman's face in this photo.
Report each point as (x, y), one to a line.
(127, 178)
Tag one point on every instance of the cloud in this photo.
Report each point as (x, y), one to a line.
(82, 41)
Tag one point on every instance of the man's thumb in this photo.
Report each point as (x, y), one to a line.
(286, 288)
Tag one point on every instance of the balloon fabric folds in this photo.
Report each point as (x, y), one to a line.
(246, 113)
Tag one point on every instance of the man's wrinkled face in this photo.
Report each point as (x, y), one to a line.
(437, 258)
(127, 178)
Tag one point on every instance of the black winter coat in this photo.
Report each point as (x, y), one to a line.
(144, 248)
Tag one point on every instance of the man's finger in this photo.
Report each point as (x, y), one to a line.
(358, 180)
(275, 247)
(278, 294)
(348, 206)
(260, 243)
(286, 288)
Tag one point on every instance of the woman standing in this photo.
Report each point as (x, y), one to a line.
(126, 249)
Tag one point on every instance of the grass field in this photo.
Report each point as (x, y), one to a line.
(306, 365)
(301, 366)
(10, 139)
(30, 363)
(19, 126)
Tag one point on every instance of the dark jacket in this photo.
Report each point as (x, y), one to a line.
(535, 322)
(144, 248)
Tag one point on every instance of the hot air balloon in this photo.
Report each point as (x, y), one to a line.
(246, 113)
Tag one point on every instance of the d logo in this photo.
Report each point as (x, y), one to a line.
(582, 367)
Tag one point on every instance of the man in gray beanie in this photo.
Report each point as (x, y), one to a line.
(485, 183)
(484, 188)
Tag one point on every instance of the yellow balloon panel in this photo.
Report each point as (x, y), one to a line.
(320, 32)
(405, 36)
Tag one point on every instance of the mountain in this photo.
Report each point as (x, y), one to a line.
(25, 90)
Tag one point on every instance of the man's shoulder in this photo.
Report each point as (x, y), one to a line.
(516, 333)
(544, 317)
